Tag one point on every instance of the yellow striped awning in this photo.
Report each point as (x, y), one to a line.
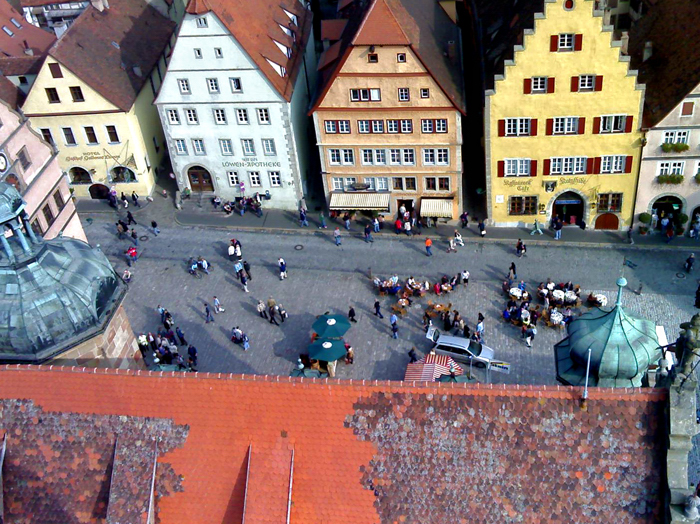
(436, 207)
(358, 200)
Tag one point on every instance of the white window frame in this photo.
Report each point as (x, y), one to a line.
(233, 178)
(350, 181)
(184, 86)
(233, 81)
(568, 165)
(213, 85)
(517, 126)
(198, 147)
(393, 126)
(218, 53)
(191, 116)
(677, 136)
(330, 127)
(514, 167)
(406, 126)
(248, 151)
(87, 139)
(334, 157)
(428, 157)
(255, 179)
(371, 183)
(408, 157)
(565, 42)
(344, 127)
(242, 117)
(427, 126)
(65, 140)
(401, 58)
(612, 120)
(565, 125)
(586, 83)
(226, 145)
(404, 94)
(366, 157)
(202, 22)
(109, 139)
(442, 156)
(395, 157)
(263, 116)
(441, 125)
(382, 183)
(338, 184)
(275, 178)
(377, 126)
(539, 84)
(363, 126)
(348, 156)
(180, 146)
(198, 53)
(425, 92)
(269, 147)
(379, 157)
(219, 116)
(173, 117)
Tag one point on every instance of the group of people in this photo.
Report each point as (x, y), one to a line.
(272, 311)
(240, 205)
(164, 344)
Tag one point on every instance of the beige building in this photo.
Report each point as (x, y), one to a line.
(388, 116)
(93, 97)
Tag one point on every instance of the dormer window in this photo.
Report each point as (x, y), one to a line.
(202, 21)
(16, 23)
(288, 32)
(286, 50)
(7, 30)
(291, 16)
(278, 68)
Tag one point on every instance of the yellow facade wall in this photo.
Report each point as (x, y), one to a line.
(620, 95)
(135, 130)
(388, 75)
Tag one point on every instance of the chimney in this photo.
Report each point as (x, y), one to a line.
(647, 52)
(625, 41)
(27, 50)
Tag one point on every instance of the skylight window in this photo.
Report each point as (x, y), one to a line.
(16, 23)
(286, 50)
(291, 16)
(7, 30)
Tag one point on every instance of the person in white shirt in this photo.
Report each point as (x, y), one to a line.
(458, 239)
(407, 228)
(465, 277)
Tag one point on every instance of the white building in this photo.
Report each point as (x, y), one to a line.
(234, 99)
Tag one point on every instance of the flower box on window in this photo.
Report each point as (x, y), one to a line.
(670, 179)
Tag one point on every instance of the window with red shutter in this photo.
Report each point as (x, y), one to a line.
(501, 168)
(574, 84)
(527, 86)
(581, 125)
(550, 84)
(578, 42)
(596, 125)
(554, 43)
(502, 127)
(545, 169)
(628, 124)
(533, 127)
(628, 164)
(590, 165)
(599, 82)
(550, 126)
(533, 167)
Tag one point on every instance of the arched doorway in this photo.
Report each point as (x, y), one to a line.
(99, 191)
(569, 207)
(200, 179)
(78, 175)
(667, 206)
(696, 212)
(607, 221)
(122, 174)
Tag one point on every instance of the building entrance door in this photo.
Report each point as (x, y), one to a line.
(408, 204)
(569, 207)
(607, 221)
(200, 179)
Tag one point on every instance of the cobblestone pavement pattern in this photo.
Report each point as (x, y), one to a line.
(324, 277)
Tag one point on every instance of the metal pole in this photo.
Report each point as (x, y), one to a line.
(588, 368)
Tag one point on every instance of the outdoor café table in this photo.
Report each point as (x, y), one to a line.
(440, 308)
(515, 292)
(556, 318)
(543, 292)
(570, 297)
(403, 302)
(558, 294)
(602, 300)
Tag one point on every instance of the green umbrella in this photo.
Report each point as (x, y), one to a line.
(328, 350)
(308, 373)
(455, 378)
(331, 326)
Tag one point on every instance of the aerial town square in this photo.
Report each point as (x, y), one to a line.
(349, 261)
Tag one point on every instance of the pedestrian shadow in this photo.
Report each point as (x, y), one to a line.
(199, 311)
(392, 367)
(496, 273)
(417, 247)
(221, 249)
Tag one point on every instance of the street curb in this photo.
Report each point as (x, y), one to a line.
(329, 232)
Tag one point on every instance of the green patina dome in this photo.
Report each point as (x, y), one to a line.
(622, 348)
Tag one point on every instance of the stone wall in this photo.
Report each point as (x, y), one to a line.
(116, 347)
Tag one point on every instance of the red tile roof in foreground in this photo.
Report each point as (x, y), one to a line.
(25, 35)
(81, 446)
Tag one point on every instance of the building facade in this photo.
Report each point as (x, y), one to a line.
(100, 113)
(388, 117)
(562, 125)
(233, 106)
(31, 165)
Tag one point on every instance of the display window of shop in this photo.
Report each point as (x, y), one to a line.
(610, 202)
(522, 205)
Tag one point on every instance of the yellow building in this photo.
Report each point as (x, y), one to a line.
(93, 97)
(562, 124)
(388, 116)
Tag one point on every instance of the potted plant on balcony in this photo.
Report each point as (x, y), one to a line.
(679, 147)
(667, 147)
(645, 219)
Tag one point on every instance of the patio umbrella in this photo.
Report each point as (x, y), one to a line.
(331, 326)
(328, 350)
(455, 378)
(307, 373)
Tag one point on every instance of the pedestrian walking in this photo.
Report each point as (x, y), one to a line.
(451, 245)
(134, 237)
(375, 224)
(465, 277)
(393, 319)
(246, 268)
(154, 227)
(124, 225)
(244, 283)
(283, 268)
(669, 235)
(217, 306)
(512, 272)
(238, 268)
(162, 311)
(231, 252)
(135, 199)
(336, 236)
(351, 314)
(458, 239)
(689, 263)
(557, 228)
(536, 230)
(428, 247)
(519, 248)
(378, 309)
(130, 219)
(629, 236)
(480, 328)
(282, 312)
(482, 228)
(530, 333)
(124, 200)
(180, 336)
(413, 355)
(464, 218)
(192, 352)
(322, 218)
(346, 219)
(262, 310)
(272, 310)
(120, 231)
(246, 342)
(237, 251)
(131, 255)
(394, 331)
(207, 312)
(368, 234)
(303, 221)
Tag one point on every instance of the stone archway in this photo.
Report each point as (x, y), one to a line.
(122, 174)
(668, 204)
(200, 179)
(585, 212)
(79, 175)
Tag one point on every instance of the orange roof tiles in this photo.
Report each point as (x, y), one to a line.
(380, 27)
(26, 34)
(329, 56)
(332, 29)
(365, 452)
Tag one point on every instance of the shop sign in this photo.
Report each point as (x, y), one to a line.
(88, 156)
(250, 162)
(572, 180)
(519, 184)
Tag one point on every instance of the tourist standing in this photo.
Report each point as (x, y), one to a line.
(336, 236)
(428, 247)
(378, 309)
(283, 268)
(207, 313)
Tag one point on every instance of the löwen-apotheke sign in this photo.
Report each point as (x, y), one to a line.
(251, 162)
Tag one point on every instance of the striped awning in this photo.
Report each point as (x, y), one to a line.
(442, 360)
(436, 207)
(425, 372)
(349, 201)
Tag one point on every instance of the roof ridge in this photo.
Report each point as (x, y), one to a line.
(367, 17)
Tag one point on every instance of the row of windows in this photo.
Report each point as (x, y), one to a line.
(427, 125)
(674, 167)
(226, 146)
(218, 53)
(219, 114)
(75, 92)
(374, 94)
(528, 205)
(49, 214)
(212, 85)
(569, 165)
(586, 83)
(90, 133)
(565, 125)
(408, 183)
(373, 58)
(392, 157)
(254, 178)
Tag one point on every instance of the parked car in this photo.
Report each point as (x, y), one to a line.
(461, 349)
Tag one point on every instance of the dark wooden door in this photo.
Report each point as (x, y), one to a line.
(200, 179)
(607, 221)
